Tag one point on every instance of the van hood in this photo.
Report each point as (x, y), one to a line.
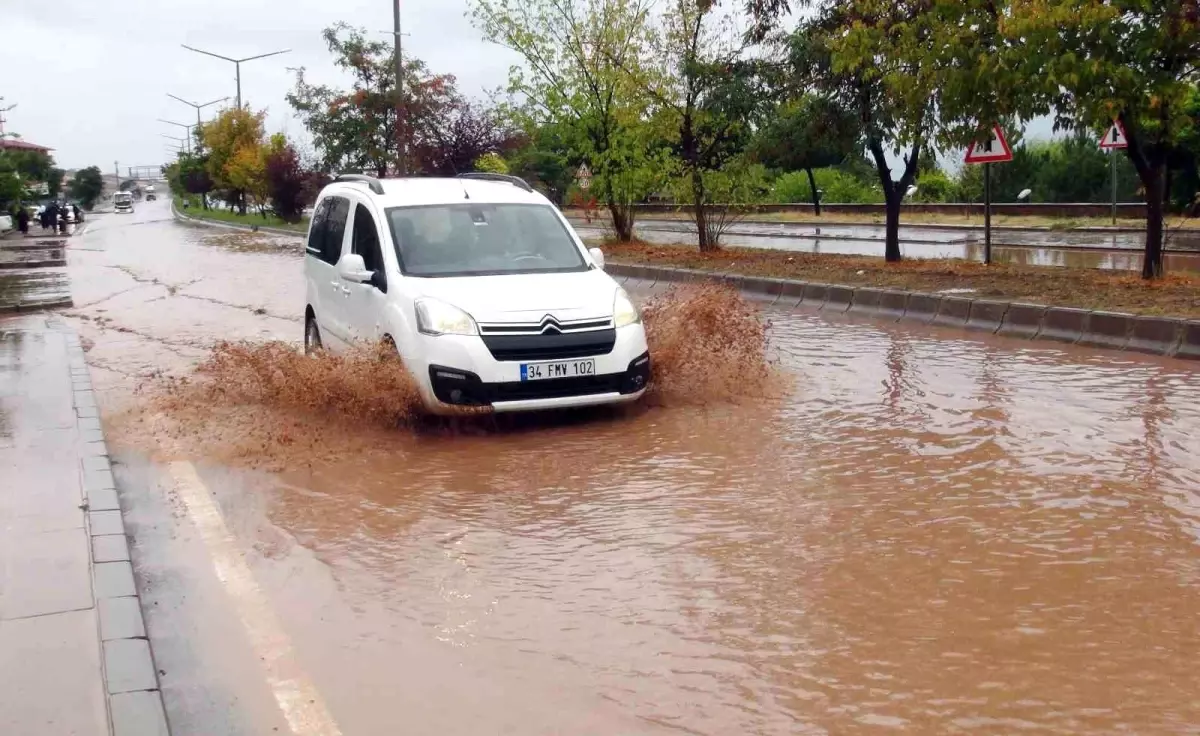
(526, 297)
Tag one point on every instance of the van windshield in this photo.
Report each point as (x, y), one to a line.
(482, 239)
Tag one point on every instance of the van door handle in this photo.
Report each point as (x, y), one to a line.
(346, 290)
(335, 283)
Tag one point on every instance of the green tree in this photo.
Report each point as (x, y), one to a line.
(54, 182)
(12, 184)
(1131, 60)
(357, 129)
(86, 187)
(709, 99)
(808, 133)
(544, 161)
(578, 55)
(492, 163)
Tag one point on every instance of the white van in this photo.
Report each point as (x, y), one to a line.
(488, 295)
(123, 202)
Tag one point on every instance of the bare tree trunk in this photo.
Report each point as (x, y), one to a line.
(703, 236)
(1152, 260)
(816, 196)
(891, 248)
(622, 220)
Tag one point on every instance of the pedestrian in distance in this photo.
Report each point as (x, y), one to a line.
(78, 214)
(52, 216)
(23, 220)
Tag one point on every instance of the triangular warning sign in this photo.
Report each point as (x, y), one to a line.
(994, 150)
(1115, 137)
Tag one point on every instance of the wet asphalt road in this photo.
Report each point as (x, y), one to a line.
(927, 530)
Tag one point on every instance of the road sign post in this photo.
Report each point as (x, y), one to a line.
(987, 213)
(1114, 140)
(991, 151)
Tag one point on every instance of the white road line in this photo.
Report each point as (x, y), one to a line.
(297, 697)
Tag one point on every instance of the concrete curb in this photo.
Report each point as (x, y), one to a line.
(1167, 336)
(134, 699)
(231, 226)
(65, 303)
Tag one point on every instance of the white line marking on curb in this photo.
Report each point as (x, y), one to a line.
(297, 697)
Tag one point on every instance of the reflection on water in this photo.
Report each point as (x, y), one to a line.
(928, 532)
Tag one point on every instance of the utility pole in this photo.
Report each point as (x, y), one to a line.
(237, 63)
(3, 120)
(402, 157)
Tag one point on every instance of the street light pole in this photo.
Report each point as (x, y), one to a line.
(198, 107)
(186, 128)
(402, 155)
(237, 63)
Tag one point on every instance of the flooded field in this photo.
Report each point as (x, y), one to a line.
(920, 529)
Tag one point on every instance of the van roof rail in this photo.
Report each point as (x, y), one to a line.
(516, 181)
(370, 181)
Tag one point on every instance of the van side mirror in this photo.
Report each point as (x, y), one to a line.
(597, 256)
(351, 267)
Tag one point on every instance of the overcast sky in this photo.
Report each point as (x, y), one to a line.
(91, 78)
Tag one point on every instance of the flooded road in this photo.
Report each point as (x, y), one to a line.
(1119, 251)
(926, 530)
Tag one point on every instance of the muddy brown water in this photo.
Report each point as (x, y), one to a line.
(925, 530)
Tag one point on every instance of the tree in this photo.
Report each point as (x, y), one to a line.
(234, 144)
(86, 186)
(54, 182)
(543, 160)
(861, 55)
(578, 54)
(807, 133)
(1131, 60)
(864, 56)
(357, 129)
(491, 163)
(708, 99)
(12, 185)
(286, 180)
(460, 137)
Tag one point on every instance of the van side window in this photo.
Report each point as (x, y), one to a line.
(316, 233)
(365, 242)
(339, 211)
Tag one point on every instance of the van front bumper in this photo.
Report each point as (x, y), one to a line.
(459, 388)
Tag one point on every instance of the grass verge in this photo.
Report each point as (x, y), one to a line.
(250, 219)
(1177, 295)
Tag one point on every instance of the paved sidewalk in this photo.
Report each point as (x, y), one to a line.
(74, 658)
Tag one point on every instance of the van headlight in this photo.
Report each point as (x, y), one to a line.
(624, 313)
(440, 318)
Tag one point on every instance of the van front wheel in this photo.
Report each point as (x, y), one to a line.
(312, 336)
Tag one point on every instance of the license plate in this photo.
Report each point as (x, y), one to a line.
(558, 369)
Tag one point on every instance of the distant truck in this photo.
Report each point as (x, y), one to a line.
(150, 196)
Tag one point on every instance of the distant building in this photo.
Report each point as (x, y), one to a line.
(16, 144)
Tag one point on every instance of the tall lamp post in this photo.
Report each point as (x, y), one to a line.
(402, 158)
(198, 107)
(187, 129)
(237, 63)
